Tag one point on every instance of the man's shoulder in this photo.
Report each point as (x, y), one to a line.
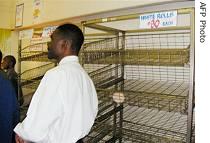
(6, 84)
(56, 71)
(3, 74)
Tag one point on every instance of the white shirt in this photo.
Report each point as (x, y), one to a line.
(64, 106)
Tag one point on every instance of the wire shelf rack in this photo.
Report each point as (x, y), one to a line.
(153, 126)
(31, 78)
(35, 52)
(165, 49)
(106, 123)
(106, 76)
(167, 96)
(152, 71)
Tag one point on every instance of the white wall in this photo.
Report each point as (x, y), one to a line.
(7, 21)
(7, 14)
(60, 9)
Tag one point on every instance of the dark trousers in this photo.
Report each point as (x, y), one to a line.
(80, 141)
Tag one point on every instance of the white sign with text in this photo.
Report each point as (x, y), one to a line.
(158, 20)
(47, 31)
(26, 34)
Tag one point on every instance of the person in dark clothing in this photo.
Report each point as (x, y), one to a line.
(9, 111)
(8, 65)
(1, 71)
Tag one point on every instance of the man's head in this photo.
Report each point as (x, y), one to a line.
(8, 62)
(66, 40)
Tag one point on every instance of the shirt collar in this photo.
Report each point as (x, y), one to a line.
(69, 59)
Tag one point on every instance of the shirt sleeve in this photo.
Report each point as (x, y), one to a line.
(44, 110)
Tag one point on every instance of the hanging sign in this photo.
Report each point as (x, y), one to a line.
(37, 8)
(19, 15)
(47, 31)
(158, 20)
(26, 34)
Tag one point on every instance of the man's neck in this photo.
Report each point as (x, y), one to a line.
(65, 55)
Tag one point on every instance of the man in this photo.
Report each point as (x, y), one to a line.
(9, 111)
(65, 104)
(8, 65)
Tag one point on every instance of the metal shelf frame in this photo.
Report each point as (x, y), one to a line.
(154, 72)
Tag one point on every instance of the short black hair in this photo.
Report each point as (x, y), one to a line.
(73, 33)
(11, 59)
(0, 56)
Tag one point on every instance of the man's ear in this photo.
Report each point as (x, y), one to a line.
(68, 43)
